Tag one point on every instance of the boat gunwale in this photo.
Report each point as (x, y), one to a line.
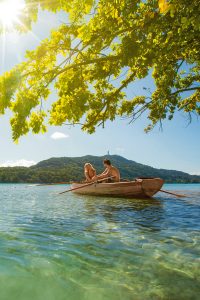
(143, 192)
(131, 182)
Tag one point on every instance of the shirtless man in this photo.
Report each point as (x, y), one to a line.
(90, 172)
(109, 171)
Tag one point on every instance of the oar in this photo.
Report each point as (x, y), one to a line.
(177, 195)
(87, 184)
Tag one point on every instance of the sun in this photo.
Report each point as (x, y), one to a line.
(10, 11)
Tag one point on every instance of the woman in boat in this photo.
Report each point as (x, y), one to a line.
(90, 172)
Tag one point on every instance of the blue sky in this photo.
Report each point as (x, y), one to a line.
(176, 147)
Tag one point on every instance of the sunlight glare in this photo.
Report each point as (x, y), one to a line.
(10, 11)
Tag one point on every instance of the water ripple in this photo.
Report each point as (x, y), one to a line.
(89, 247)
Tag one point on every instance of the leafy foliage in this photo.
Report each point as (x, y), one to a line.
(91, 61)
(66, 169)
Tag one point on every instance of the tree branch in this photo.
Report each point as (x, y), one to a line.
(186, 90)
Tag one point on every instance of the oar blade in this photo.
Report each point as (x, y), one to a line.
(173, 194)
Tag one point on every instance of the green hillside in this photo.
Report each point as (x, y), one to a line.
(71, 169)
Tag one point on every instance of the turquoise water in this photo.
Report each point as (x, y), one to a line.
(78, 247)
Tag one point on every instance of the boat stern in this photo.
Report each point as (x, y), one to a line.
(151, 186)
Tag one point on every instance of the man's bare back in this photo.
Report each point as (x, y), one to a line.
(109, 172)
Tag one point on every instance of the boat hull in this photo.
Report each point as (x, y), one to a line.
(139, 188)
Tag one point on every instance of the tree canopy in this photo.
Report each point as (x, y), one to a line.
(92, 60)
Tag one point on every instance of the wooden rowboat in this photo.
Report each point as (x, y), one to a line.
(139, 188)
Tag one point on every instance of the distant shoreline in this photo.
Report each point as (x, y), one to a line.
(68, 169)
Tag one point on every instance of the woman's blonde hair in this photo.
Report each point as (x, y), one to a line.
(89, 165)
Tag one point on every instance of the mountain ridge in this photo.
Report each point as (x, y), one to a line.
(59, 169)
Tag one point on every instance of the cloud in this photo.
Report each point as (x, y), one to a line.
(59, 135)
(18, 163)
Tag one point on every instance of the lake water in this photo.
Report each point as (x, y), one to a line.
(77, 247)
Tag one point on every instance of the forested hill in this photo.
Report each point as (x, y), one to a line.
(71, 169)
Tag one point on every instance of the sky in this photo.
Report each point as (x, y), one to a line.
(177, 146)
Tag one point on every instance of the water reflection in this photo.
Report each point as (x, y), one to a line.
(145, 213)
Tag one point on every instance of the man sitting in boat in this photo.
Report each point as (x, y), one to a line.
(110, 171)
(90, 172)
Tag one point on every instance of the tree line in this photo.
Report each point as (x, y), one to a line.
(71, 169)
